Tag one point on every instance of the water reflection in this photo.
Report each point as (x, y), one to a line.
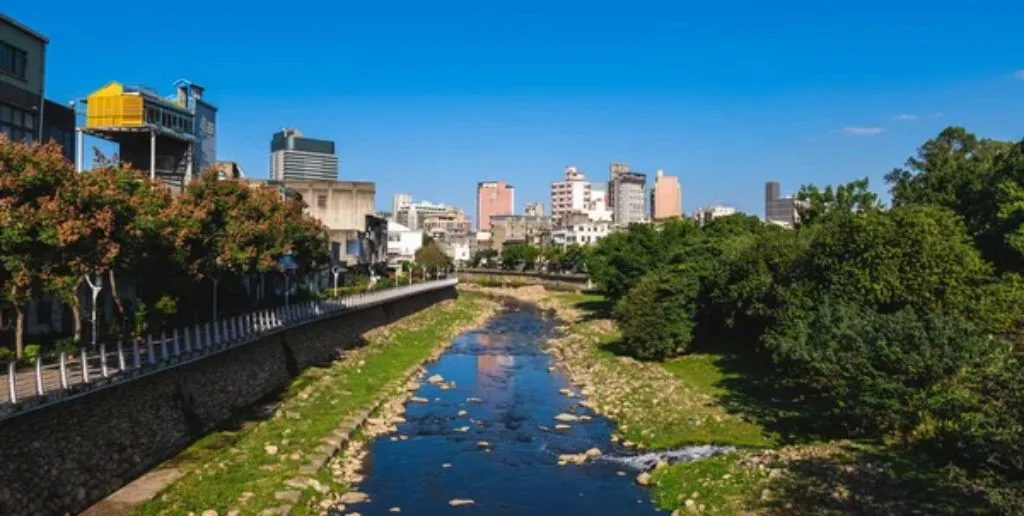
(502, 453)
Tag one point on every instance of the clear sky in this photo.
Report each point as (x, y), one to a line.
(430, 97)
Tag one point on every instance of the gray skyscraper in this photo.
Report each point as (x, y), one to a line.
(294, 157)
(778, 210)
(629, 198)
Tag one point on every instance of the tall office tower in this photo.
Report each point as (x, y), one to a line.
(629, 199)
(571, 194)
(666, 197)
(778, 210)
(295, 157)
(493, 198)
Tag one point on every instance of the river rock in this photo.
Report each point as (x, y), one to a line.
(644, 479)
(474, 399)
(417, 399)
(459, 502)
(412, 386)
(270, 449)
(462, 429)
(395, 509)
(567, 392)
(572, 458)
(436, 379)
(397, 420)
(288, 496)
(210, 512)
(566, 418)
(585, 418)
(483, 444)
(352, 497)
(593, 453)
(562, 427)
(461, 413)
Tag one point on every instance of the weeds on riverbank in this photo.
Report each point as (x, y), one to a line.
(242, 468)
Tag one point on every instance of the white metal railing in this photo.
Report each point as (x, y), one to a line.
(125, 360)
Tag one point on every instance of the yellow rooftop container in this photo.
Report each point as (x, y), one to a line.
(109, 106)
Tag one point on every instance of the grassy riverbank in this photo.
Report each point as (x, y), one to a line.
(716, 399)
(241, 469)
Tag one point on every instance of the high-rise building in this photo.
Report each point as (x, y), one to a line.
(629, 199)
(493, 198)
(400, 201)
(534, 209)
(614, 171)
(295, 157)
(571, 194)
(173, 138)
(707, 214)
(598, 209)
(778, 210)
(666, 197)
(25, 114)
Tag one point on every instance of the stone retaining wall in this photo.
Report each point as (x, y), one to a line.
(566, 282)
(64, 457)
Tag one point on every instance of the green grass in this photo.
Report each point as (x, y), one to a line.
(222, 465)
(719, 484)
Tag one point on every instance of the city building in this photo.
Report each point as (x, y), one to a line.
(458, 247)
(519, 229)
(171, 138)
(628, 199)
(571, 194)
(293, 157)
(582, 233)
(400, 201)
(534, 209)
(666, 197)
(228, 170)
(342, 206)
(493, 198)
(779, 210)
(615, 170)
(707, 214)
(403, 243)
(25, 114)
(598, 209)
(432, 218)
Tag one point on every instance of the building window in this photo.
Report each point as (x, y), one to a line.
(17, 124)
(13, 60)
(44, 311)
(321, 200)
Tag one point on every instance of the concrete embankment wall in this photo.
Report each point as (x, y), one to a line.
(64, 457)
(515, 278)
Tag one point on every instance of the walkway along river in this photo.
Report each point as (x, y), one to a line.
(487, 434)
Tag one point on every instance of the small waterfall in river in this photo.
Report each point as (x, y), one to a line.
(647, 461)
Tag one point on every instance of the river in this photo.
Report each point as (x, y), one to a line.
(510, 398)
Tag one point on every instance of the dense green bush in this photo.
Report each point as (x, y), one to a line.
(6, 355)
(656, 316)
(30, 353)
(875, 374)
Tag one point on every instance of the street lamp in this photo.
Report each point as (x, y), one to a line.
(287, 265)
(336, 270)
(96, 288)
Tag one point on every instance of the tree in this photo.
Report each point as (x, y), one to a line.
(515, 255)
(432, 256)
(483, 257)
(656, 315)
(553, 256)
(853, 197)
(31, 179)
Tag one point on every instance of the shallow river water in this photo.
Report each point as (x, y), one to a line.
(517, 472)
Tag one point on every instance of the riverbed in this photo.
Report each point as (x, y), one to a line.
(487, 435)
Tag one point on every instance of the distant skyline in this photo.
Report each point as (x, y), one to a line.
(430, 99)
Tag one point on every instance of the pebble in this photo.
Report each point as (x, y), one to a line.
(461, 413)
(352, 497)
(417, 399)
(270, 449)
(436, 379)
(446, 465)
(395, 509)
(209, 512)
(644, 479)
(562, 426)
(459, 502)
(483, 444)
(564, 417)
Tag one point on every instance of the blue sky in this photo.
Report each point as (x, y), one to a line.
(430, 97)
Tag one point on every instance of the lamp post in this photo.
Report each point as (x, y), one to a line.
(336, 270)
(96, 288)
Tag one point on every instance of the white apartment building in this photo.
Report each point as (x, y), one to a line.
(705, 215)
(403, 242)
(584, 233)
(570, 195)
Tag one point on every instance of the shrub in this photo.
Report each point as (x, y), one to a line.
(29, 354)
(656, 314)
(65, 345)
(874, 374)
(6, 354)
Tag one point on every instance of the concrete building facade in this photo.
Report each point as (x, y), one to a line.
(582, 233)
(666, 197)
(25, 114)
(571, 194)
(293, 157)
(534, 209)
(493, 198)
(709, 213)
(403, 242)
(629, 199)
(519, 229)
(399, 201)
